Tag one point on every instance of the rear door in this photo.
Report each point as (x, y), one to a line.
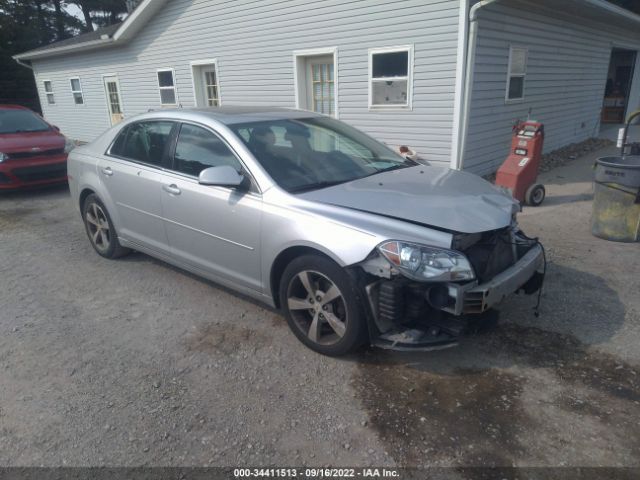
(133, 174)
(215, 229)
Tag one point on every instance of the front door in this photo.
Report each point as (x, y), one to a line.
(321, 84)
(210, 86)
(114, 100)
(215, 229)
(205, 85)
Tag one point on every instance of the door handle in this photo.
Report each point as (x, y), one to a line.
(172, 189)
(107, 171)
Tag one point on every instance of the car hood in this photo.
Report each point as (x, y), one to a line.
(20, 142)
(438, 197)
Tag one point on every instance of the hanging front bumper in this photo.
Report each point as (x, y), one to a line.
(473, 298)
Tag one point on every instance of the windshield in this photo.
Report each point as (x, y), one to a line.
(19, 121)
(311, 153)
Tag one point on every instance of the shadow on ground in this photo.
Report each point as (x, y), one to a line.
(34, 193)
(559, 199)
(515, 395)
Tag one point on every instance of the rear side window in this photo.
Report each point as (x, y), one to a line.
(198, 148)
(144, 142)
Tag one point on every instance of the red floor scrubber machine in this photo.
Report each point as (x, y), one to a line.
(519, 172)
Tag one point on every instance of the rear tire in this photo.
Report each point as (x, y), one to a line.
(322, 306)
(100, 229)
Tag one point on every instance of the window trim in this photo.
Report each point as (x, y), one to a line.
(203, 63)
(519, 75)
(174, 87)
(409, 78)
(300, 76)
(73, 92)
(47, 92)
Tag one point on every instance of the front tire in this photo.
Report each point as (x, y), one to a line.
(322, 305)
(100, 230)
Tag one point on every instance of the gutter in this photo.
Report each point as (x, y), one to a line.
(615, 9)
(61, 50)
(468, 74)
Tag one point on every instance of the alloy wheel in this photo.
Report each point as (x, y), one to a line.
(317, 307)
(98, 227)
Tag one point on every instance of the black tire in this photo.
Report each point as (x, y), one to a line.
(535, 195)
(105, 243)
(347, 308)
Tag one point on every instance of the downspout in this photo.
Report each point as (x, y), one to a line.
(20, 62)
(468, 85)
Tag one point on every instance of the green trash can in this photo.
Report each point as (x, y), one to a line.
(616, 201)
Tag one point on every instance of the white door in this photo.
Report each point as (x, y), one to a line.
(321, 93)
(210, 86)
(114, 101)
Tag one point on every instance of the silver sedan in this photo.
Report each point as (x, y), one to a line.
(353, 242)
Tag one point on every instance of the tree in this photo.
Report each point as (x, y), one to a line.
(25, 25)
(103, 12)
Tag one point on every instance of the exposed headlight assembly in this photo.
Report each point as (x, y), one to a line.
(427, 264)
(3, 157)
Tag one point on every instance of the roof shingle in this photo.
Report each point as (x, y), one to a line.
(78, 39)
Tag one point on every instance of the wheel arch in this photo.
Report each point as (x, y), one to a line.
(83, 196)
(284, 258)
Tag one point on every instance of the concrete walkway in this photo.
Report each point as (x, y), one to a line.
(610, 269)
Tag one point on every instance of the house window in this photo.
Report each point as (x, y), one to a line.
(48, 90)
(517, 72)
(76, 91)
(390, 72)
(167, 86)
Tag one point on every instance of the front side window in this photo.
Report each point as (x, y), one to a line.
(390, 77)
(198, 148)
(76, 91)
(144, 142)
(48, 90)
(517, 72)
(311, 153)
(167, 86)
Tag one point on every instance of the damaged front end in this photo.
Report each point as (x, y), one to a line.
(423, 298)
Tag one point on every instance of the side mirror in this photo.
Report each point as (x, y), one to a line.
(224, 176)
(56, 128)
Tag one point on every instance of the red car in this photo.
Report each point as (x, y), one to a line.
(32, 152)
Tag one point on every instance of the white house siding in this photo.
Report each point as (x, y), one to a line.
(567, 66)
(253, 42)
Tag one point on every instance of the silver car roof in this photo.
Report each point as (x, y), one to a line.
(231, 115)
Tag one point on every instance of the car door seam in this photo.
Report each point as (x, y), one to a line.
(187, 227)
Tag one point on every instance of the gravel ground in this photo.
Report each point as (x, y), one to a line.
(133, 362)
